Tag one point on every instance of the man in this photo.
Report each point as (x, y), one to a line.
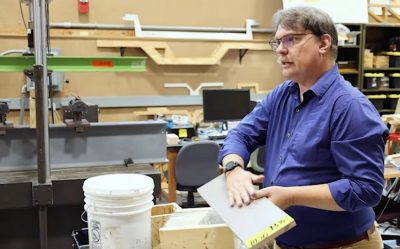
(324, 142)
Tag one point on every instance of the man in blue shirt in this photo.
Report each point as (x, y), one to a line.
(324, 142)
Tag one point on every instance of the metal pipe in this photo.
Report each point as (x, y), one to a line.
(43, 226)
(42, 119)
(42, 128)
(69, 25)
(31, 15)
(40, 79)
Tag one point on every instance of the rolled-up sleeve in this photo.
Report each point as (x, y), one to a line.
(358, 142)
(249, 133)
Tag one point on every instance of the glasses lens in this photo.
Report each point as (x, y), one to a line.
(288, 41)
(274, 44)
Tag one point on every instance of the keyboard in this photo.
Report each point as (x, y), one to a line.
(217, 135)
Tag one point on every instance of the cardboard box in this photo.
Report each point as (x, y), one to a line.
(381, 61)
(368, 58)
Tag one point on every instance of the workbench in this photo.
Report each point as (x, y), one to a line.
(19, 215)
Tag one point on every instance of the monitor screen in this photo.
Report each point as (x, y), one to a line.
(225, 104)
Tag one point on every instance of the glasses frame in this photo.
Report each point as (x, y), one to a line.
(274, 43)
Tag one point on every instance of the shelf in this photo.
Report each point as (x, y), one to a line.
(390, 90)
(348, 71)
(386, 111)
(386, 25)
(383, 69)
(349, 46)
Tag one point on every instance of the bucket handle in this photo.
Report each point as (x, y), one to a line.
(82, 216)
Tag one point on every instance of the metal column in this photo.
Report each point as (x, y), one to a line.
(42, 128)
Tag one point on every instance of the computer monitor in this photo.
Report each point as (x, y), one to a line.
(220, 105)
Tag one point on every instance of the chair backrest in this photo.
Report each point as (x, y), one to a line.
(197, 163)
(387, 210)
(257, 159)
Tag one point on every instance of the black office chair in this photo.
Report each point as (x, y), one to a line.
(388, 210)
(196, 164)
(257, 159)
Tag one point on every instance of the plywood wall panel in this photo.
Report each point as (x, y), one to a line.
(257, 66)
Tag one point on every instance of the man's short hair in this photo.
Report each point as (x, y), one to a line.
(307, 18)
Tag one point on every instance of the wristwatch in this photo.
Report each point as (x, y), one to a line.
(231, 165)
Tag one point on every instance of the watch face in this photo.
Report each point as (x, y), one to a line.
(231, 165)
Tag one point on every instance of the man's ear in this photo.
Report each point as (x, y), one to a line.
(326, 43)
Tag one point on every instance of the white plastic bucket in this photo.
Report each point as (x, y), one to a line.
(118, 207)
(99, 207)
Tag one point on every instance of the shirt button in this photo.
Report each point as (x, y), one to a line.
(280, 159)
(297, 110)
(288, 135)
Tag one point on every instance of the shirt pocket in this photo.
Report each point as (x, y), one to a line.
(310, 144)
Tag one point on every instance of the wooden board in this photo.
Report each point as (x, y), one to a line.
(196, 228)
(255, 224)
(167, 57)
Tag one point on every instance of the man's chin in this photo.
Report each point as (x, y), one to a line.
(286, 74)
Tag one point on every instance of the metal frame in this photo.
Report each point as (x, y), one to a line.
(37, 68)
(42, 117)
(129, 101)
(76, 64)
(98, 145)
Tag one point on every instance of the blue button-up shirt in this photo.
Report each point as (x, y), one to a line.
(334, 136)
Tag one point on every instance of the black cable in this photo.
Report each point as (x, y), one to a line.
(47, 26)
(384, 209)
(51, 98)
(386, 228)
(22, 14)
(387, 202)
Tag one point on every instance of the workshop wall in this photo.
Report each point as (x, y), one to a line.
(256, 66)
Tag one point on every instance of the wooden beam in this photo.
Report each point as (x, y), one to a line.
(374, 16)
(394, 13)
(73, 33)
(151, 48)
(386, 10)
(97, 34)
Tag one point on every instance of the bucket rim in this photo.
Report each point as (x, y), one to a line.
(118, 185)
(119, 213)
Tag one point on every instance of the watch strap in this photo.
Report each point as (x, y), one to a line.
(231, 165)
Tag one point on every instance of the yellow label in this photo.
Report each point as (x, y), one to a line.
(182, 133)
(83, 33)
(268, 231)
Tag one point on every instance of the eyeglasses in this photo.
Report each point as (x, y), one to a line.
(287, 41)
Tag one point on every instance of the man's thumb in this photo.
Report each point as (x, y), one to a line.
(257, 178)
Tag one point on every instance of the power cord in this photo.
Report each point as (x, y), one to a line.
(389, 199)
(22, 14)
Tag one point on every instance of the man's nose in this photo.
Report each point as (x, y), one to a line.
(281, 49)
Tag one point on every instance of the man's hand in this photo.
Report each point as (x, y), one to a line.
(314, 196)
(240, 186)
(280, 196)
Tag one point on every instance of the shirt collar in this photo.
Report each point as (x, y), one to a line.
(321, 86)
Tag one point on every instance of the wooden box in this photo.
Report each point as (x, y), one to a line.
(196, 228)
(159, 215)
(381, 61)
